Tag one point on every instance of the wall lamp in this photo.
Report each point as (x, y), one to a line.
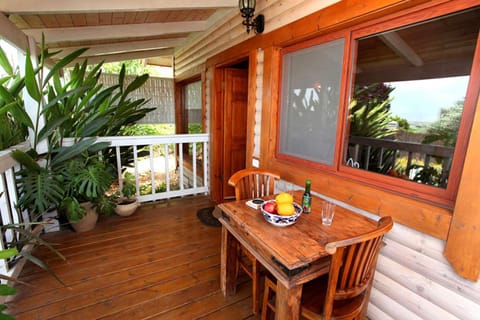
(247, 8)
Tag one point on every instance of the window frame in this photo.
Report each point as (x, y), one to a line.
(444, 197)
(341, 107)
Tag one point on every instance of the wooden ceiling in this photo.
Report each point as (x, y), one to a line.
(113, 29)
(442, 47)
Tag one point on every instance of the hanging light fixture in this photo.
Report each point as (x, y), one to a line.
(247, 8)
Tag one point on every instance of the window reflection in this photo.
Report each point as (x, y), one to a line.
(408, 93)
(310, 99)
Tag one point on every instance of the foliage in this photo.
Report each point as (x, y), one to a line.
(146, 189)
(23, 236)
(39, 188)
(139, 130)
(402, 123)
(6, 290)
(132, 67)
(78, 108)
(429, 175)
(370, 116)
(445, 129)
(129, 188)
(195, 128)
(15, 121)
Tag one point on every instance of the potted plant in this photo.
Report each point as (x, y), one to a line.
(86, 181)
(59, 174)
(127, 202)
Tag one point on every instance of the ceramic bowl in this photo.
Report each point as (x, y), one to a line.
(282, 221)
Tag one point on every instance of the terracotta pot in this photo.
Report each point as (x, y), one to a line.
(89, 221)
(126, 209)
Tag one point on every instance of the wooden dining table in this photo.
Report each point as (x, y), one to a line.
(293, 254)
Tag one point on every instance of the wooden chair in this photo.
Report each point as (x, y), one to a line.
(252, 183)
(344, 292)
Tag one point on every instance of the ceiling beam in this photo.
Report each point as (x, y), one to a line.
(124, 56)
(12, 34)
(115, 31)
(165, 61)
(400, 47)
(121, 47)
(85, 6)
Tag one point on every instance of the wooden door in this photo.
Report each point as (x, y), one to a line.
(234, 125)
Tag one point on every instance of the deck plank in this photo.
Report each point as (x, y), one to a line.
(160, 263)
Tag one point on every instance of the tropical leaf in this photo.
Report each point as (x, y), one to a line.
(30, 80)
(26, 160)
(50, 127)
(20, 115)
(42, 265)
(135, 84)
(5, 95)
(63, 62)
(40, 190)
(65, 153)
(64, 95)
(6, 108)
(32, 237)
(4, 63)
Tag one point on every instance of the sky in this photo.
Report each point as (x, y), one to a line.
(421, 100)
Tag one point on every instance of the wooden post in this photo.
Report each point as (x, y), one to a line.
(463, 239)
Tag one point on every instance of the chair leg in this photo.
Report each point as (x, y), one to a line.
(268, 293)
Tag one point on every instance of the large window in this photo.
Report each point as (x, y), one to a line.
(410, 100)
(192, 104)
(310, 99)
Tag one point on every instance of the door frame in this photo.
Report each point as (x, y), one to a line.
(217, 111)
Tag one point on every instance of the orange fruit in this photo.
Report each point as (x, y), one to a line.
(285, 209)
(284, 198)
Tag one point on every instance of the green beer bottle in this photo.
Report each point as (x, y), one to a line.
(307, 198)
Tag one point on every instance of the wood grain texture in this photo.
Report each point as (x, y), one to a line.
(464, 240)
(161, 262)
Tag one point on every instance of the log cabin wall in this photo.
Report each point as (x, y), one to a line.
(414, 279)
(190, 59)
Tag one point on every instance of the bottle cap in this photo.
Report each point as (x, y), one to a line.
(308, 181)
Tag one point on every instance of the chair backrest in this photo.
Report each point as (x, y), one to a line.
(253, 183)
(353, 265)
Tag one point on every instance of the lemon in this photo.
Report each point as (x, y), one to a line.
(284, 198)
(285, 209)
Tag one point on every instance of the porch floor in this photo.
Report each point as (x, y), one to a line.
(160, 263)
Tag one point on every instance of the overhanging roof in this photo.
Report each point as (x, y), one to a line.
(115, 30)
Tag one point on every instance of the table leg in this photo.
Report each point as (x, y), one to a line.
(288, 302)
(228, 268)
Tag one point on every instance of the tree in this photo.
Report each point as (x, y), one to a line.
(445, 129)
(370, 116)
(132, 67)
(402, 123)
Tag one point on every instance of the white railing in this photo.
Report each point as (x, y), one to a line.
(192, 176)
(8, 201)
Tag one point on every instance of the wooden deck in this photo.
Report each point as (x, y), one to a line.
(160, 263)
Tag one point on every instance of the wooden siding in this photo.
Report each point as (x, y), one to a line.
(231, 31)
(258, 105)
(160, 263)
(414, 280)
